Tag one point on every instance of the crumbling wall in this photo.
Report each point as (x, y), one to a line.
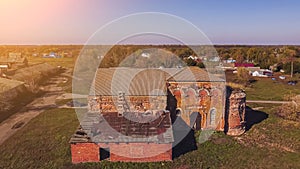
(135, 103)
(201, 97)
(235, 112)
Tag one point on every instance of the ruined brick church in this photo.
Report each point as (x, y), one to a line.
(132, 112)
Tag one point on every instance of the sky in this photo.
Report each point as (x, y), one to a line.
(260, 22)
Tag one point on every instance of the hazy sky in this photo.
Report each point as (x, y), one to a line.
(223, 21)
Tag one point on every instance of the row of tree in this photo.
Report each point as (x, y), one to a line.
(281, 57)
(285, 57)
(30, 50)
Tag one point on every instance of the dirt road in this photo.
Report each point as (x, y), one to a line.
(267, 101)
(21, 118)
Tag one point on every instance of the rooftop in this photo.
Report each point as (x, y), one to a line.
(145, 82)
(194, 74)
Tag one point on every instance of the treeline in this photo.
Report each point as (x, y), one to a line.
(146, 55)
(263, 56)
(29, 50)
(168, 55)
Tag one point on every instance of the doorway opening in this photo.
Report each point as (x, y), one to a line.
(104, 154)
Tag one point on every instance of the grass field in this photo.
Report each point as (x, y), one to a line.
(43, 143)
(267, 89)
(64, 62)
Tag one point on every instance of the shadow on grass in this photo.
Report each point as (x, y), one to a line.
(184, 138)
(253, 117)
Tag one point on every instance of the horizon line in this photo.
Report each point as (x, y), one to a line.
(157, 44)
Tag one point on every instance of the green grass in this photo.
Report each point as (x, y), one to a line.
(65, 62)
(274, 132)
(43, 143)
(267, 89)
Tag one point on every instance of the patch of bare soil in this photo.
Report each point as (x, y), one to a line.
(18, 125)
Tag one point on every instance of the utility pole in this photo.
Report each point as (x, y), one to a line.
(292, 68)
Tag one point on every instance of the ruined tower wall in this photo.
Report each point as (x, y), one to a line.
(235, 112)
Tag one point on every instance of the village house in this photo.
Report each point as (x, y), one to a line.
(51, 55)
(12, 61)
(131, 112)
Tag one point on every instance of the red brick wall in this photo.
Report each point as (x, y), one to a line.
(85, 152)
(206, 96)
(236, 113)
(132, 152)
(234, 121)
(137, 103)
(140, 152)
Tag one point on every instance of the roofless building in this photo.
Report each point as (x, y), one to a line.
(131, 112)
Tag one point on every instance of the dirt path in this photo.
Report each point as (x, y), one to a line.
(21, 118)
(72, 96)
(267, 101)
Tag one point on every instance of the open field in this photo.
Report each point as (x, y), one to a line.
(267, 89)
(43, 143)
(65, 62)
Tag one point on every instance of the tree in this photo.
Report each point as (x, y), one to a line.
(291, 110)
(290, 54)
(191, 62)
(243, 75)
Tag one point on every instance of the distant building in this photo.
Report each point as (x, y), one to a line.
(67, 54)
(35, 54)
(227, 66)
(51, 55)
(230, 60)
(14, 55)
(195, 58)
(145, 55)
(262, 73)
(13, 61)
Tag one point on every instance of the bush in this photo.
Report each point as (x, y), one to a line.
(243, 76)
(290, 111)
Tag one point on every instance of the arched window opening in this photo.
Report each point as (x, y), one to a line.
(178, 112)
(212, 120)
